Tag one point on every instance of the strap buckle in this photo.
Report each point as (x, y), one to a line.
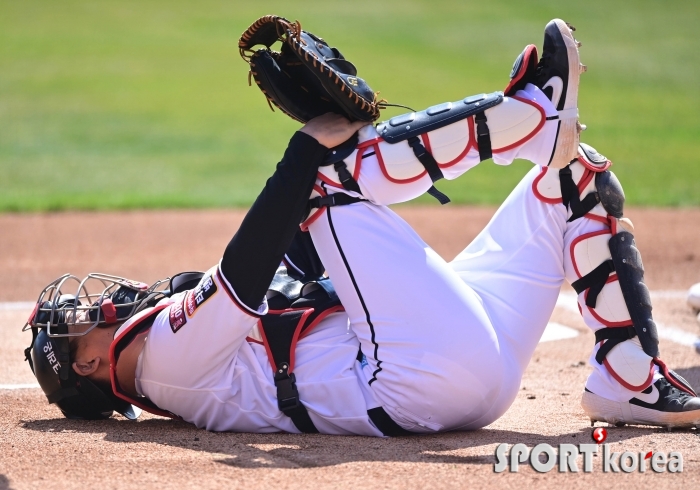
(346, 179)
(287, 392)
(322, 201)
(483, 136)
(418, 149)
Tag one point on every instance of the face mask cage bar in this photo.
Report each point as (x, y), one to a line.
(91, 298)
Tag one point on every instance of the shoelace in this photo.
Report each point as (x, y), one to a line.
(674, 393)
(542, 64)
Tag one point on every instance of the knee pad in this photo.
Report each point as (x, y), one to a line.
(586, 187)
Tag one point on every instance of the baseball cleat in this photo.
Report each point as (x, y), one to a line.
(557, 75)
(662, 404)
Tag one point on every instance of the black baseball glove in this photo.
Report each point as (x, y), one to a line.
(307, 78)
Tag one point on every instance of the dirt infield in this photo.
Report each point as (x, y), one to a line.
(40, 449)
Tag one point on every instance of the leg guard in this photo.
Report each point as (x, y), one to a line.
(607, 267)
(400, 159)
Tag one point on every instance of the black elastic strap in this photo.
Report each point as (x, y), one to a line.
(425, 158)
(288, 400)
(338, 199)
(431, 166)
(380, 418)
(441, 197)
(570, 196)
(483, 137)
(612, 336)
(385, 424)
(346, 179)
(594, 281)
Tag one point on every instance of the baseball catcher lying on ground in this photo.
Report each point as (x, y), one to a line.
(397, 340)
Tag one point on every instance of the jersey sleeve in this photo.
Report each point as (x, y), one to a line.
(256, 250)
(199, 333)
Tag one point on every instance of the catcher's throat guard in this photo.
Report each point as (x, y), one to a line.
(307, 77)
(71, 307)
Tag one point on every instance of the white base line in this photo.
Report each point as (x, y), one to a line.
(26, 386)
(568, 302)
(28, 306)
(557, 331)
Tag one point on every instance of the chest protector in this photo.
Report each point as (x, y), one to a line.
(295, 308)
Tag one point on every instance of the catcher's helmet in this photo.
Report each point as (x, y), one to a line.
(118, 299)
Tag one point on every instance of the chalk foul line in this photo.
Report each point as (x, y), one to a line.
(19, 386)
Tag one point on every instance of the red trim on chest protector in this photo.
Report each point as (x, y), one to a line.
(295, 338)
(355, 172)
(135, 322)
(317, 213)
(299, 331)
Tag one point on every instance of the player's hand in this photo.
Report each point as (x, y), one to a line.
(330, 129)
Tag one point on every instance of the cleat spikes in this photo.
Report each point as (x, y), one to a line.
(570, 26)
(582, 68)
(581, 127)
(579, 44)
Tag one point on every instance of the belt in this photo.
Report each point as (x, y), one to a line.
(381, 419)
(385, 423)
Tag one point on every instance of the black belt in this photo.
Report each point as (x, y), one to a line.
(381, 419)
(385, 423)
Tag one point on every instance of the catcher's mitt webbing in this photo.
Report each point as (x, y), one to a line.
(306, 78)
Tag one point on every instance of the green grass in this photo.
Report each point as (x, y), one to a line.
(134, 104)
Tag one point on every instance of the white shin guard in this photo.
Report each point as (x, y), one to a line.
(626, 367)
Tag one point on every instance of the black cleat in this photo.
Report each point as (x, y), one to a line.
(558, 70)
(662, 404)
(557, 75)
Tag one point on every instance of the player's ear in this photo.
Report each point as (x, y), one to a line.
(86, 368)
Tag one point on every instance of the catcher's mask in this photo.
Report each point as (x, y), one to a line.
(100, 300)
